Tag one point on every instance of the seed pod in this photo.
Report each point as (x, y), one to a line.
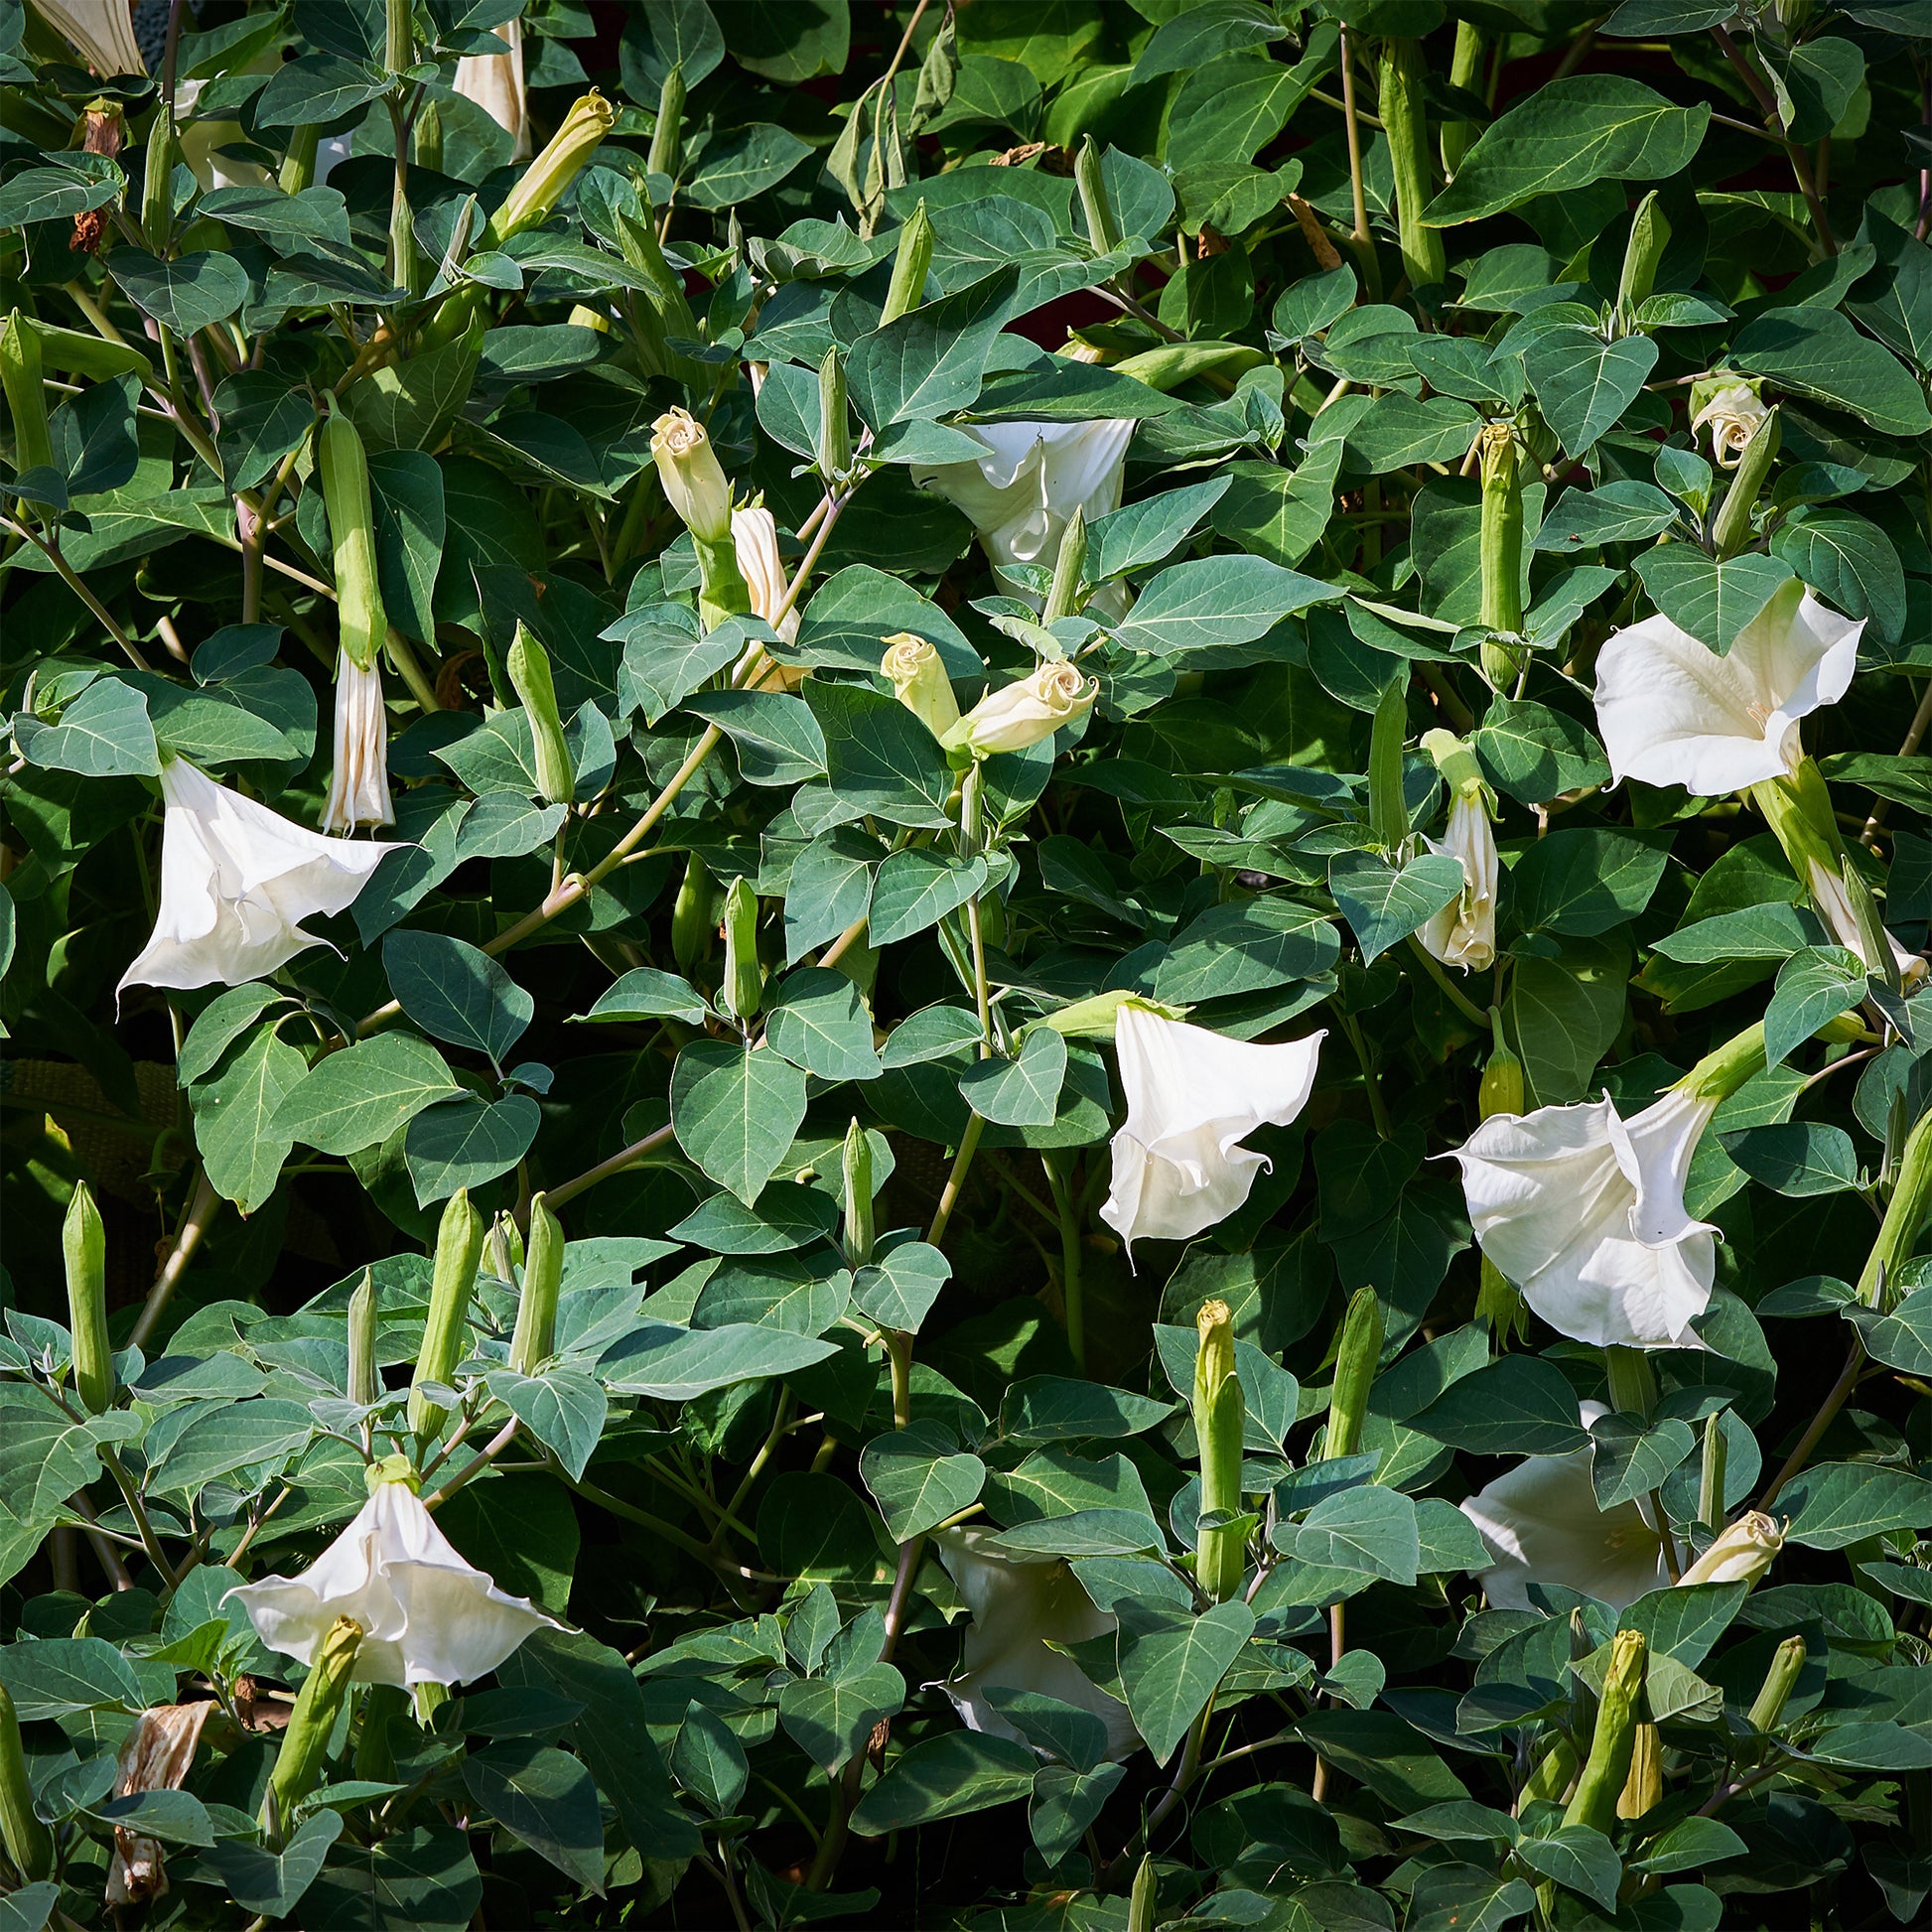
(529, 669)
(856, 1165)
(83, 1248)
(345, 470)
(743, 991)
(910, 266)
(1063, 599)
(1405, 122)
(30, 1844)
(364, 1382)
(535, 1337)
(1356, 1358)
(20, 381)
(305, 1743)
(1220, 1554)
(453, 1279)
(1614, 1741)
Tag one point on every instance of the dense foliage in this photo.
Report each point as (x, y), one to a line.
(1030, 654)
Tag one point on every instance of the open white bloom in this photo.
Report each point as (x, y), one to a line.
(1026, 711)
(427, 1617)
(237, 881)
(1019, 1606)
(754, 542)
(1733, 413)
(1541, 1525)
(1464, 932)
(102, 31)
(1192, 1096)
(1020, 494)
(494, 82)
(1827, 894)
(1584, 1212)
(1671, 712)
(358, 787)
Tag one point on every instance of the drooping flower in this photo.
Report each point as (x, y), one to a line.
(1192, 1096)
(1464, 932)
(427, 1617)
(920, 681)
(1020, 495)
(1732, 412)
(1020, 1606)
(755, 539)
(237, 881)
(694, 482)
(494, 82)
(1026, 711)
(358, 787)
(102, 31)
(1672, 712)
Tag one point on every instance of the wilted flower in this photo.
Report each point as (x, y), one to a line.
(1192, 1096)
(1742, 1554)
(156, 1755)
(237, 881)
(1464, 932)
(1020, 1606)
(688, 468)
(494, 82)
(1671, 712)
(919, 682)
(1026, 711)
(358, 787)
(102, 31)
(1732, 411)
(1032, 478)
(427, 1617)
(754, 539)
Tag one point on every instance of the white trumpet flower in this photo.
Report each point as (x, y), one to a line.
(1020, 494)
(237, 881)
(1192, 1096)
(754, 542)
(1026, 711)
(427, 1615)
(494, 82)
(358, 787)
(1833, 904)
(1464, 932)
(1671, 712)
(100, 31)
(1732, 414)
(1020, 1606)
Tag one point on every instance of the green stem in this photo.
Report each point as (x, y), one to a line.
(1072, 1285)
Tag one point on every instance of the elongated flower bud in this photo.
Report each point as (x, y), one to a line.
(453, 1279)
(158, 181)
(1608, 1769)
(545, 180)
(1220, 1555)
(834, 427)
(1356, 1357)
(1644, 1789)
(856, 1163)
(1742, 1554)
(535, 1337)
(1063, 598)
(692, 918)
(299, 161)
(359, 782)
(1906, 1214)
(909, 265)
(30, 1844)
(1025, 712)
(1465, 69)
(667, 138)
(83, 1247)
(1649, 238)
(1732, 530)
(1723, 1071)
(20, 381)
(305, 1743)
(529, 669)
(919, 682)
(1404, 122)
(1787, 1662)
(364, 1380)
(694, 482)
(426, 138)
(1096, 204)
(743, 991)
(1555, 1772)
(1711, 1471)
(345, 470)
(1500, 552)
(1501, 1091)
(1144, 1902)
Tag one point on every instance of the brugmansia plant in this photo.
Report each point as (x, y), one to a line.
(965, 964)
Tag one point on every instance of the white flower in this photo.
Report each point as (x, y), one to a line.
(427, 1617)
(1192, 1097)
(236, 882)
(358, 787)
(100, 31)
(1541, 1524)
(1671, 712)
(754, 542)
(1741, 1553)
(1020, 494)
(1019, 1606)
(1464, 932)
(1026, 711)
(1833, 903)
(1584, 1212)
(1733, 413)
(494, 82)
(920, 681)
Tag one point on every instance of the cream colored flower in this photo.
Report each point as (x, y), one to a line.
(1741, 1553)
(427, 1615)
(237, 881)
(1464, 932)
(1672, 712)
(754, 540)
(358, 787)
(1192, 1096)
(920, 681)
(1733, 413)
(1833, 904)
(1026, 711)
(494, 82)
(688, 468)
(102, 31)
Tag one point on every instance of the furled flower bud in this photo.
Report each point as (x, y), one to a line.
(1732, 530)
(1220, 1557)
(83, 1247)
(529, 669)
(919, 682)
(1063, 597)
(692, 919)
(535, 1337)
(1730, 407)
(494, 82)
(452, 1277)
(1096, 204)
(1787, 1662)
(1742, 1554)
(755, 545)
(30, 1844)
(856, 1165)
(1026, 711)
(345, 469)
(359, 783)
(305, 1743)
(20, 383)
(1642, 253)
(694, 484)
(742, 990)
(1614, 1741)
(364, 1379)
(552, 171)
(1501, 1091)
(1097, 1016)
(909, 264)
(1357, 1355)
(834, 447)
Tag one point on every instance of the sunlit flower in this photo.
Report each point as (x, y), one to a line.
(358, 787)
(237, 881)
(1742, 1554)
(494, 82)
(754, 539)
(1464, 932)
(102, 31)
(427, 1617)
(688, 468)
(920, 681)
(1026, 711)
(1733, 413)
(1192, 1096)
(1020, 1606)
(1671, 712)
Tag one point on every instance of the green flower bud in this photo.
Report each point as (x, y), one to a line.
(1405, 122)
(20, 381)
(1500, 1306)
(1063, 599)
(305, 1743)
(1144, 1903)
(364, 1382)
(30, 1844)
(529, 669)
(1356, 1357)
(909, 265)
(158, 181)
(552, 171)
(920, 681)
(1711, 1471)
(1221, 1556)
(1723, 1071)
(534, 1340)
(1501, 1091)
(1787, 1663)
(1732, 530)
(345, 470)
(1500, 550)
(856, 1165)
(453, 1279)
(1466, 73)
(693, 917)
(1906, 1214)
(667, 137)
(83, 1247)
(1614, 1741)
(743, 991)
(694, 482)
(1455, 760)
(299, 163)
(1555, 1772)
(834, 426)
(1096, 204)
(1649, 238)
(426, 141)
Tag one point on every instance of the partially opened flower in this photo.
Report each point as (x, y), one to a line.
(1026, 711)
(1741, 1553)
(237, 881)
(754, 539)
(1541, 1525)
(920, 681)
(1833, 905)
(1020, 1606)
(494, 82)
(427, 1617)
(1672, 712)
(1192, 1096)
(358, 787)
(1032, 478)
(102, 31)
(688, 468)
(1464, 932)
(1731, 412)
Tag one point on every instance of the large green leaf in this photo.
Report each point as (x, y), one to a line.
(736, 1112)
(359, 1096)
(1173, 1661)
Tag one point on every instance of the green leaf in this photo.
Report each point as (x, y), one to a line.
(237, 1125)
(178, 1817)
(547, 1799)
(898, 1289)
(1054, 1409)
(103, 734)
(1586, 881)
(1533, 754)
(1370, 1529)
(225, 1439)
(919, 1476)
(1841, 1503)
(1799, 1158)
(736, 1112)
(411, 526)
(1246, 947)
(751, 161)
(1383, 905)
(776, 739)
(879, 758)
(787, 1216)
(1624, 511)
(1023, 1091)
(1139, 534)
(187, 294)
(1903, 1339)
(563, 1410)
(60, 1676)
(1216, 600)
(1584, 128)
(929, 363)
(646, 992)
(708, 1760)
(1774, 930)
(457, 992)
(831, 1719)
(418, 1880)
(1583, 383)
(818, 1022)
(359, 1096)
(1230, 108)
(272, 1883)
(946, 1776)
(1849, 562)
(1712, 601)
(1818, 352)
(1630, 1457)
(673, 1364)
(1172, 1662)
(315, 88)
(1813, 987)
(1579, 1858)
(916, 889)
(1521, 1405)
(522, 1530)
